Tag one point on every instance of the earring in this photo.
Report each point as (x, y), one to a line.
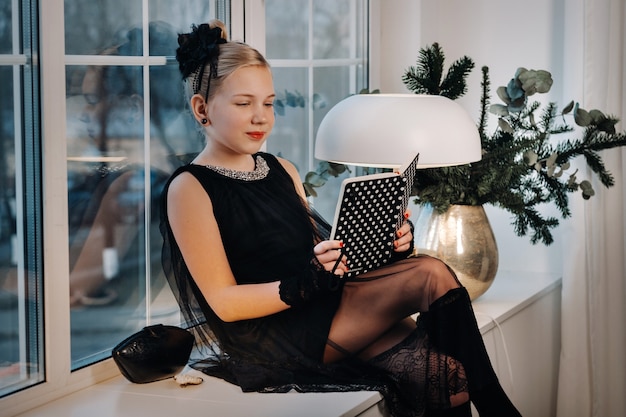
(204, 121)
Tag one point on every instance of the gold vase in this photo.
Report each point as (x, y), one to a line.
(461, 237)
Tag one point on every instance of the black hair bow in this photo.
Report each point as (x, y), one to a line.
(197, 48)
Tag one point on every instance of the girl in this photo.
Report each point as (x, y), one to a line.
(250, 264)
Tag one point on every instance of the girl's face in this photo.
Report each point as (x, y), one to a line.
(241, 114)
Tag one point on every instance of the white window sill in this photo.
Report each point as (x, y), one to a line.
(510, 293)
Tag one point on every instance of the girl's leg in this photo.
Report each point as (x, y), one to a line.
(451, 326)
(374, 303)
(373, 323)
(367, 323)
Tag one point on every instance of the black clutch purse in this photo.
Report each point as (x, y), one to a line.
(153, 353)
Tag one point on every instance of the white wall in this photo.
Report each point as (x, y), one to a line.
(501, 34)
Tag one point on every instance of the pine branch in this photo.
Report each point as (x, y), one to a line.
(521, 167)
(426, 76)
(454, 84)
(485, 86)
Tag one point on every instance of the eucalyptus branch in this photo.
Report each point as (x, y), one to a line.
(520, 168)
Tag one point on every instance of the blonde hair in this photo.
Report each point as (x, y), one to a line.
(231, 57)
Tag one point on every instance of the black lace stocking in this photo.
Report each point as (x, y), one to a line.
(424, 378)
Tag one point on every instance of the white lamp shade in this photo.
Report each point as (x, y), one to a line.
(388, 130)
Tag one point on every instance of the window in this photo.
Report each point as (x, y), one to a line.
(127, 130)
(318, 52)
(21, 353)
(96, 133)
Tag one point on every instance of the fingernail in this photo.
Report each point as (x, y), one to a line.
(341, 244)
(406, 215)
(399, 233)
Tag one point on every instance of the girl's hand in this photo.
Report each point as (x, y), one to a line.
(327, 252)
(404, 236)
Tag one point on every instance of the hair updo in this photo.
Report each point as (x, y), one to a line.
(206, 58)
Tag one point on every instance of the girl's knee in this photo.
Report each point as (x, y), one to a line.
(441, 277)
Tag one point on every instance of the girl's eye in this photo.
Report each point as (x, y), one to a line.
(269, 104)
(243, 104)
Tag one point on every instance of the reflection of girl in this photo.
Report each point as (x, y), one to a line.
(106, 200)
(245, 253)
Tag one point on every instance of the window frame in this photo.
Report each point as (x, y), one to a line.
(60, 380)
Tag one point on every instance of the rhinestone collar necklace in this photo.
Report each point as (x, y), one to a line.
(261, 169)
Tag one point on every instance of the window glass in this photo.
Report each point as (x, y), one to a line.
(287, 29)
(21, 352)
(127, 130)
(93, 26)
(313, 74)
(6, 27)
(180, 16)
(334, 34)
(289, 137)
(333, 84)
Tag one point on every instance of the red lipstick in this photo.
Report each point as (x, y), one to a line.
(256, 135)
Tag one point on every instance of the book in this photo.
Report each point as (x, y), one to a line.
(369, 211)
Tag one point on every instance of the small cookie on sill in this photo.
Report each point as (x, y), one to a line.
(185, 379)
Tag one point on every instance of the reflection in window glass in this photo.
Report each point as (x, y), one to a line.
(127, 131)
(6, 27)
(21, 352)
(334, 32)
(289, 137)
(286, 29)
(93, 26)
(332, 84)
(187, 13)
(312, 75)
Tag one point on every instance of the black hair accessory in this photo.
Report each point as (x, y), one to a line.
(198, 48)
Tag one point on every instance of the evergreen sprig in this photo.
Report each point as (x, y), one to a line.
(426, 76)
(522, 167)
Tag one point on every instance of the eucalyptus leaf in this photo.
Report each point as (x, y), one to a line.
(568, 108)
(314, 179)
(309, 189)
(499, 110)
(318, 102)
(279, 107)
(336, 169)
(571, 181)
(530, 157)
(541, 81)
(505, 126)
(581, 116)
(291, 99)
(587, 189)
(596, 116)
(501, 91)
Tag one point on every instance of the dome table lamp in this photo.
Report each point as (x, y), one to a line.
(388, 131)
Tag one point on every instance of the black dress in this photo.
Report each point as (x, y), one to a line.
(268, 234)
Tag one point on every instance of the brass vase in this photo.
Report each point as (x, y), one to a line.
(461, 237)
